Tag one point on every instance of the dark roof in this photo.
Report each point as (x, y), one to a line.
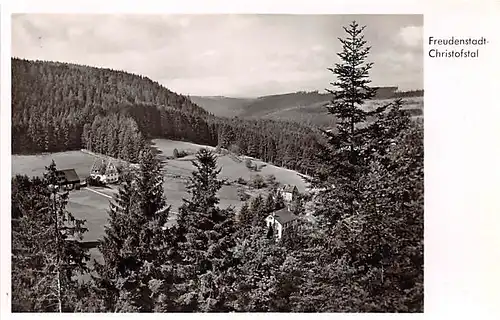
(288, 188)
(70, 175)
(284, 216)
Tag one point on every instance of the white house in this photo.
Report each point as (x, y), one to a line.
(281, 220)
(107, 173)
(288, 192)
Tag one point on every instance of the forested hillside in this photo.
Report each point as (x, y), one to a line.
(223, 106)
(303, 107)
(58, 107)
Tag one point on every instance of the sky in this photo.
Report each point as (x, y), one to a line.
(224, 55)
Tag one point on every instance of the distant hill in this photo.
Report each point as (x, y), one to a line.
(222, 106)
(304, 107)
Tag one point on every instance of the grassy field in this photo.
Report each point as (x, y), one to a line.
(92, 204)
(231, 169)
(34, 165)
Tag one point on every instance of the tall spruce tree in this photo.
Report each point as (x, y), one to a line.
(344, 157)
(47, 254)
(244, 220)
(258, 211)
(270, 203)
(135, 275)
(205, 273)
(372, 241)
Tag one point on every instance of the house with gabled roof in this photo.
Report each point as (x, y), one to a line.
(68, 178)
(105, 172)
(288, 192)
(281, 220)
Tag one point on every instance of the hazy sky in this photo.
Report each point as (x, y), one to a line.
(232, 55)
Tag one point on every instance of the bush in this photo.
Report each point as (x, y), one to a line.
(94, 182)
(257, 181)
(179, 154)
(252, 166)
(242, 181)
(271, 181)
(235, 149)
(242, 195)
(248, 163)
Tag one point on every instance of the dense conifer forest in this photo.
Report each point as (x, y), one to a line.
(363, 253)
(59, 107)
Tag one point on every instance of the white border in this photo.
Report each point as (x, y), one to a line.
(462, 247)
(5, 162)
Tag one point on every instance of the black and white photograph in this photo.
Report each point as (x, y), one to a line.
(227, 163)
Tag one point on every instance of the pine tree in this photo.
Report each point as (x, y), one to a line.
(47, 254)
(115, 238)
(206, 242)
(204, 185)
(370, 242)
(297, 205)
(258, 211)
(279, 202)
(270, 203)
(245, 216)
(344, 152)
(270, 233)
(135, 275)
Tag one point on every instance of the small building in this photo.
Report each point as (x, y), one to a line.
(68, 178)
(105, 172)
(281, 220)
(288, 192)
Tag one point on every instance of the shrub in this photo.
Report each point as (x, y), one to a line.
(94, 182)
(179, 154)
(242, 195)
(271, 181)
(257, 181)
(235, 149)
(248, 163)
(242, 181)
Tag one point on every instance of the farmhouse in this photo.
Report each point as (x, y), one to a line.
(288, 192)
(68, 179)
(106, 173)
(281, 220)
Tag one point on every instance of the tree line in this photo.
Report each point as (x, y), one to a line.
(363, 253)
(60, 107)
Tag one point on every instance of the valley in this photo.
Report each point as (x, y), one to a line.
(92, 203)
